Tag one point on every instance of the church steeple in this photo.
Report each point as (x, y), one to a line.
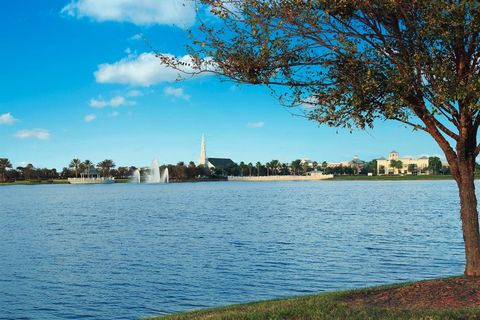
(203, 153)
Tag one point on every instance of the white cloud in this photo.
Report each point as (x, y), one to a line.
(136, 37)
(134, 93)
(90, 117)
(40, 134)
(115, 102)
(256, 125)
(140, 12)
(143, 70)
(309, 103)
(176, 92)
(114, 114)
(7, 118)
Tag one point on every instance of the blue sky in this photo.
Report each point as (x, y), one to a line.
(78, 83)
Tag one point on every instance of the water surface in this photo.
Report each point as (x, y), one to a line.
(125, 251)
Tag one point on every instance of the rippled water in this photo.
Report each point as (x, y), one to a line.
(127, 251)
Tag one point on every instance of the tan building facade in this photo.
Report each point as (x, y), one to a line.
(401, 165)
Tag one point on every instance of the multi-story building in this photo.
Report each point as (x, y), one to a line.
(401, 165)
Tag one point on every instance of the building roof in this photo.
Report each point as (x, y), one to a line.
(393, 151)
(382, 158)
(424, 157)
(221, 162)
(357, 161)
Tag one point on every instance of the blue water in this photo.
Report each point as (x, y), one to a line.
(127, 251)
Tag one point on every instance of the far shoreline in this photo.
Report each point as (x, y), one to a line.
(335, 178)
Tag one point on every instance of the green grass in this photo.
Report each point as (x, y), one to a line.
(32, 182)
(392, 178)
(321, 306)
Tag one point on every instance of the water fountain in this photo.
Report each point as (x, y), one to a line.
(136, 176)
(165, 176)
(153, 175)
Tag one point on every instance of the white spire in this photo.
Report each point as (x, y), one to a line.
(203, 153)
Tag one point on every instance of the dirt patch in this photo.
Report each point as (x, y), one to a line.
(435, 294)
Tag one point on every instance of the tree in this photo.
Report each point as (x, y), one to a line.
(105, 166)
(28, 172)
(396, 164)
(305, 167)
(381, 169)
(435, 165)
(250, 168)
(412, 168)
(242, 166)
(324, 166)
(191, 170)
(295, 165)
(354, 62)
(180, 170)
(75, 164)
(371, 167)
(275, 165)
(87, 165)
(4, 165)
(258, 165)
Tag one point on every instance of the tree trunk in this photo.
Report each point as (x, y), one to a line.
(469, 216)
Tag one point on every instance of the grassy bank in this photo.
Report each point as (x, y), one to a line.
(33, 182)
(392, 178)
(336, 305)
(65, 181)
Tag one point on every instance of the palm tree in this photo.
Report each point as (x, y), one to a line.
(274, 166)
(324, 166)
(295, 166)
(87, 166)
(267, 166)
(250, 168)
(4, 164)
(396, 164)
(105, 166)
(75, 164)
(242, 166)
(258, 165)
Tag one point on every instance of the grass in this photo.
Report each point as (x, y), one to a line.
(32, 182)
(320, 306)
(391, 178)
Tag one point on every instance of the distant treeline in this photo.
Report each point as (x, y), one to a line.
(190, 171)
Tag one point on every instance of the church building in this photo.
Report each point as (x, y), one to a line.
(212, 163)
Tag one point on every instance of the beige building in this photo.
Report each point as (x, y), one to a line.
(405, 165)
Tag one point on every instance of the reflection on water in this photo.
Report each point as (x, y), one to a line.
(126, 251)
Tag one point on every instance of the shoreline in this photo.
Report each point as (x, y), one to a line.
(256, 179)
(391, 302)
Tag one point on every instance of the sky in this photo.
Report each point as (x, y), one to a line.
(79, 81)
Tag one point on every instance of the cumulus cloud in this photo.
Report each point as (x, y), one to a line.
(40, 134)
(256, 125)
(114, 114)
(176, 92)
(115, 102)
(7, 118)
(90, 117)
(143, 70)
(180, 13)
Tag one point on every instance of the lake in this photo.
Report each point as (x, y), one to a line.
(125, 251)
